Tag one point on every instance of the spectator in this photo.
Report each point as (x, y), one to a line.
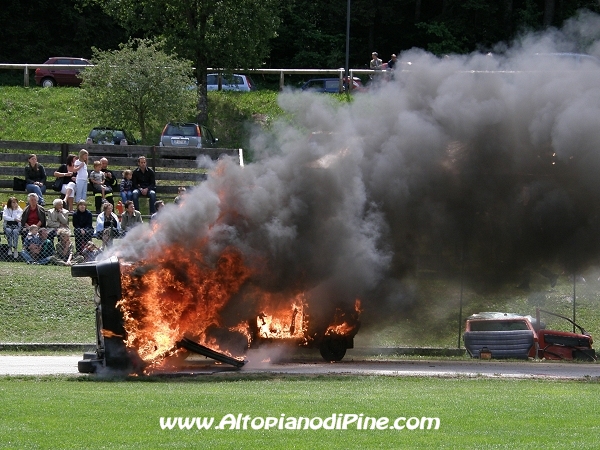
(90, 252)
(63, 255)
(180, 194)
(97, 178)
(130, 218)
(47, 247)
(375, 63)
(66, 172)
(110, 180)
(33, 214)
(56, 218)
(108, 226)
(392, 62)
(82, 226)
(126, 186)
(32, 245)
(81, 181)
(157, 206)
(35, 178)
(37, 248)
(12, 225)
(144, 184)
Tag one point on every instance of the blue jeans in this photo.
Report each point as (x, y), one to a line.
(126, 196)
(12, 235)
(151, 199)
(27, 257)
(39, 190)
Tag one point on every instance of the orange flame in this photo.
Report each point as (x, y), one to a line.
(109, 334)
(343, 326)
(178, 295)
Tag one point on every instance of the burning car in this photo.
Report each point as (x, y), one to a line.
(148, 316)
(504, 335)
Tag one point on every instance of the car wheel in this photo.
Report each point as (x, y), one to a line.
(48, 82)
(332, 349)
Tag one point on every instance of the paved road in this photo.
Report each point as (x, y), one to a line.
(48, 365)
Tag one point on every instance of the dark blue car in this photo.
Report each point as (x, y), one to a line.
(330, 85)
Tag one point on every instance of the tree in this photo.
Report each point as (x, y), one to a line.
(224, 34)
(138, 87)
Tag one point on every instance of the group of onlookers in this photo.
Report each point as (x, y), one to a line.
(38, 227)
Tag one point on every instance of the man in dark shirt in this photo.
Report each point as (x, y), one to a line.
(144, 184)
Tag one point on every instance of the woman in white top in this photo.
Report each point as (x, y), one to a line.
(81, 181)
(12, 224)
(108, 226)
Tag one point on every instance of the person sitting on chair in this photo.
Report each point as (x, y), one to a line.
(144, 184)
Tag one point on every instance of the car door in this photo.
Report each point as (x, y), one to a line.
(208, 140)
(62, 76)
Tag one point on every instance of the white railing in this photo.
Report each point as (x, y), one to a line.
(281, 72)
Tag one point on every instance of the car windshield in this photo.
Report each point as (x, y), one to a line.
(498, 325)
(181, 130)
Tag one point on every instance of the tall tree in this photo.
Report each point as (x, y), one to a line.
(224, 34)
(138, 87)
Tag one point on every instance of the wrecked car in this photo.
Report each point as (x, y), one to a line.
(512, 336)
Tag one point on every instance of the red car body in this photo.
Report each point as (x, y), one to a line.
(51, 76)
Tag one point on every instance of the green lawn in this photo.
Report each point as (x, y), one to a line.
(66, 413)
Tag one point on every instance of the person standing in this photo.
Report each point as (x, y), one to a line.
(144, 184)
(81, 181)
(375, 63)
(392, 62)
(12, 225)
(35, 178)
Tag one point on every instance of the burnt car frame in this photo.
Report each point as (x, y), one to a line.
(112, 353)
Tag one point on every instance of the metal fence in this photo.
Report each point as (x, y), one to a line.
(338, 73)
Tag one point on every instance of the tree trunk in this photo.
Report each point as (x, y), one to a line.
(417, 10)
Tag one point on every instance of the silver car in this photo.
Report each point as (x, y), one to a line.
(235, 82)
(187, 135)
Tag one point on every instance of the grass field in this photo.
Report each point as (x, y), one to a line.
(66, 413)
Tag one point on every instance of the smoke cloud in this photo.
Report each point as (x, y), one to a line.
(493, 158)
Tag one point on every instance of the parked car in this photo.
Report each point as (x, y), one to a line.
(331, 85)
(235, 82)
(110, 136)
(187, 135)
(51, 76)
(504, 335)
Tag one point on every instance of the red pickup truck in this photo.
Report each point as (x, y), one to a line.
(503, 335)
